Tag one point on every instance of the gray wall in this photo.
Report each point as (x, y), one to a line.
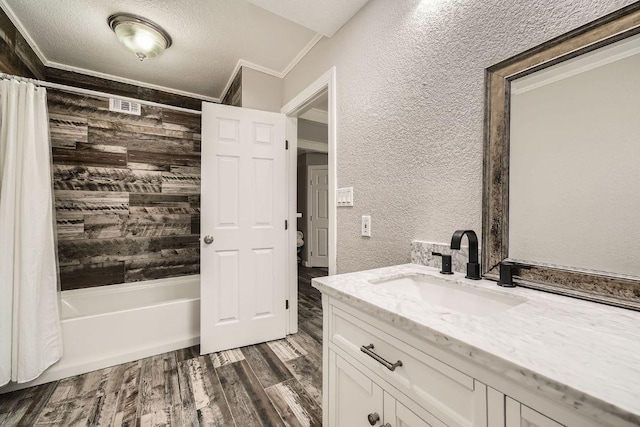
(261, 91)
(410, 85)
(313, 131)
(304, 160)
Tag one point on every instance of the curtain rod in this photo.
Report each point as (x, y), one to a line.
(96, 93)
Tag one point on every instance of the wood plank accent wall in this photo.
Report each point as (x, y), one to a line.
(127, 191)
(16, 56)
(55, 75)
(233, 96)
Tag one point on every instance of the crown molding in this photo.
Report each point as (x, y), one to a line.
(270, 71)
(248, 64)
(301, 54)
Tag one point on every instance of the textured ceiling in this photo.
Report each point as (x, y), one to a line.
(324, 17)
(210, 39)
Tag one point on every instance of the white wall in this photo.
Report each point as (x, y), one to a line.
(410, 83)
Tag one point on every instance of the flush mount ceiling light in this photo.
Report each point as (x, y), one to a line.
(141, 36)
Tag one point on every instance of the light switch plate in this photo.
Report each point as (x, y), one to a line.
(366, 225)
(344, 196)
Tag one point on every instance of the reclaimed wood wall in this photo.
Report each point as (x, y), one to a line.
(233, 96)
(98, 84)
(16, 56)
(127, 191)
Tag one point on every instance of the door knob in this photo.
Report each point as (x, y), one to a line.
(208, 239)
(373, 418)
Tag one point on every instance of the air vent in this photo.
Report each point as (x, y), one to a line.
(124, 106)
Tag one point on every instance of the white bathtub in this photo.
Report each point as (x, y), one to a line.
(109, 325)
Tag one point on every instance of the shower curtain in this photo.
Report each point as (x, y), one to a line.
(30, 331)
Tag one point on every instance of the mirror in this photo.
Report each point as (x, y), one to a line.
(562, 163)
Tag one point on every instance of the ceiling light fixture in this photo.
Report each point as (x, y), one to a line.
(144, 38)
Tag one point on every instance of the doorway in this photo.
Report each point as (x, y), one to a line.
(313, 185)
(311, 136)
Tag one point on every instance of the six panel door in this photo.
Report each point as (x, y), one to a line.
(242, 268)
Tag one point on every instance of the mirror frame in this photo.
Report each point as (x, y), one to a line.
(609, 288)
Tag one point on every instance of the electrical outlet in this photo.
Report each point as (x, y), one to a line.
(366, 225)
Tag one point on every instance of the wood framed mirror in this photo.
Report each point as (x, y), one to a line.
(607, 285)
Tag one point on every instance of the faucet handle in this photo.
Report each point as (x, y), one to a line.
(507, 268)
(446, 263)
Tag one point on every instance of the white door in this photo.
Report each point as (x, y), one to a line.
(319, 216)
(242, 268)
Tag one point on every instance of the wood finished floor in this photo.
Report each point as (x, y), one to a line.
(271, 384)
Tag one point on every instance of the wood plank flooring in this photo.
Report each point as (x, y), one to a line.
(278, 383)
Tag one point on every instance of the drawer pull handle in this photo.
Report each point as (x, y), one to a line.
(366, 349)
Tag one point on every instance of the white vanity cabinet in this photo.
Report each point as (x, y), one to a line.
(423, 391)
(397, 414)
(519, 415)
(356, 400)
(354, 396)
(431, 387)
(504, 411)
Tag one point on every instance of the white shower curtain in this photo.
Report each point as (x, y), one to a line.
(30, 331)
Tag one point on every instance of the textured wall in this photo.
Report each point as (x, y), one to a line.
(410, 80)
(127, 191)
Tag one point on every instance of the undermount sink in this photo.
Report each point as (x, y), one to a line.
(448, 294)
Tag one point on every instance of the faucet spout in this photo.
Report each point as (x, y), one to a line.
(473, 268)
(456, 239)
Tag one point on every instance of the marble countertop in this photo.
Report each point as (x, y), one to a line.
(582, 353)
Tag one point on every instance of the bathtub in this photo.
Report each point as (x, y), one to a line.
(109, 325)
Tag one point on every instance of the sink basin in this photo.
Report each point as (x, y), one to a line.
(448, 294)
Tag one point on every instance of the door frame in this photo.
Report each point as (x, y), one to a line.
(309, 237)
(326, 82)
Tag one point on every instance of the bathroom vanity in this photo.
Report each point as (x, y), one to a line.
(406, 346)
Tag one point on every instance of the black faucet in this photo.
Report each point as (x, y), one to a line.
(473, 268)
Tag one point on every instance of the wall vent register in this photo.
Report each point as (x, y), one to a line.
(124, 106)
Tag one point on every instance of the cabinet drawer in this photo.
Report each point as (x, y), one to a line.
(447, 393)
